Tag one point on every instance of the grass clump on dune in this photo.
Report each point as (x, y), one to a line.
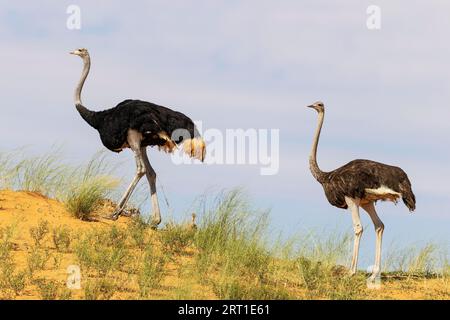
(232, 244)
(320, 262)
(8, 170)
(81, 188)
(413, 260)
(239, 259)
(89, 185)
(42, 174)
(427, 262)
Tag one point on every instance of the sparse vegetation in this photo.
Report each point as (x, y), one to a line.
(61, 238)
(89, 186)
(176, 238)
(102, 252)
(99, 289)
(39, 232)
(81, 188)
(8, 170)
(137, 230)
(151, 273)
(232, 241)
(12, 281)
(324, 281)
(416, 261)
(41, 174)
(6, 235)
(48, 289)
(37, 259)
(51, 289)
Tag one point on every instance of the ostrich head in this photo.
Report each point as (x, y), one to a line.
(81, 52)
(318, 106)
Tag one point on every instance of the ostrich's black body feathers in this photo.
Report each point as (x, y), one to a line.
(147, 118)
(355, 177)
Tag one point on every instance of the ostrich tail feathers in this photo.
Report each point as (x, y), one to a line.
(409, 200)
(408, 197)
(195, 148)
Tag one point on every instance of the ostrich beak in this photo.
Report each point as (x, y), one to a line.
(73, 52)
(311, 106)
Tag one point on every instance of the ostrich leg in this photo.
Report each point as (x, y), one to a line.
(151, 177)
(353, 205)
(134, 140)
(379, 228)
(140, 172)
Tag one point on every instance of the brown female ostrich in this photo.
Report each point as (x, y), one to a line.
(137, 124)
(360, 183)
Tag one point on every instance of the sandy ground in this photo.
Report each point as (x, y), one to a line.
(24, 210)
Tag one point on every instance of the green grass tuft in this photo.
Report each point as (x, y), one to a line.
(89, 185)
(39, 232)
(62, 238)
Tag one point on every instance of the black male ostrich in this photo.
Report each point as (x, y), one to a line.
(137, 124)
(360, 183)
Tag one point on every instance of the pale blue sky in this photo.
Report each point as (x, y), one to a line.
(249, 64)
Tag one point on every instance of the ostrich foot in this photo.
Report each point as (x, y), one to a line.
(155, 223)
(351, 271)
(115, 214)
(128, 212)
(113, 217)
(374, 281)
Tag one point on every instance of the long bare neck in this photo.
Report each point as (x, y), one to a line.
(313, 166)
(86, 114)
(84, 74)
